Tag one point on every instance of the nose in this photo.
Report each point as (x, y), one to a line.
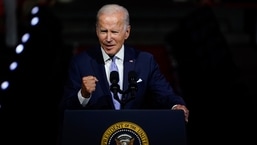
(109, 37)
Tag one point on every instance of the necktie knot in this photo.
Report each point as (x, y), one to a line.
(113, 64)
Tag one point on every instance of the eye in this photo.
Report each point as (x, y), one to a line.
(103, 31)
(115, 32)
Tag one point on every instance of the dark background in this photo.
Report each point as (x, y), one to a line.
(206, 49)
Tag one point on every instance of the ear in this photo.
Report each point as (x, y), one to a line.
(127, 32)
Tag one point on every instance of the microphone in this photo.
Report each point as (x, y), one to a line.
(115, 88)
(132, 78)
(114, 77)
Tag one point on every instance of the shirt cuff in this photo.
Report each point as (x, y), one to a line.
(173, 107)
(83, 101)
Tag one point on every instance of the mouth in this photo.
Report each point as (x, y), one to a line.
(109, 47)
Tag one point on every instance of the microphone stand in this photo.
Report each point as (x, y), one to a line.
(115, 88)
(124, 99)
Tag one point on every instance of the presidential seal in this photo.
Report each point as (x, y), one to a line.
(124, 133)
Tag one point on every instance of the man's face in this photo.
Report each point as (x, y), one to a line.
(112, 32)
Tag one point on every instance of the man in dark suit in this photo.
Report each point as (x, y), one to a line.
(88, 85)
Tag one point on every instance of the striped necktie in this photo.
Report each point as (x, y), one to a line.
(113, 67)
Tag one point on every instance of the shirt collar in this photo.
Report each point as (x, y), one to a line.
(119, 54)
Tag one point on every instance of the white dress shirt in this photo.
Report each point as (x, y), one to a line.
(107, 60)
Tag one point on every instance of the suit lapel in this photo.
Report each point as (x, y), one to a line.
(99, 69)
(129, 64)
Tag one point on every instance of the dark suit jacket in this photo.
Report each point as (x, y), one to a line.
(154, 91)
